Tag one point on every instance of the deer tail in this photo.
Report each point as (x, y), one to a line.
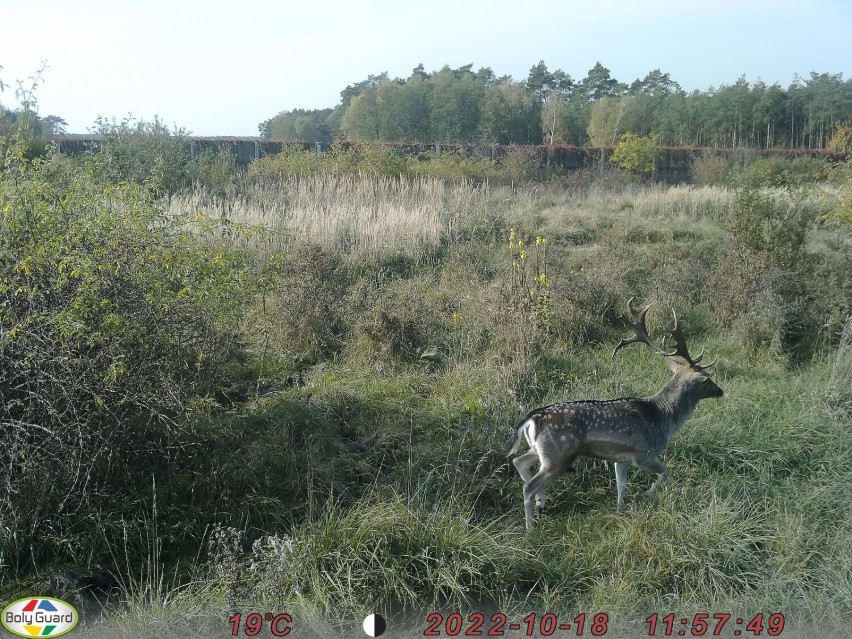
(516, 438)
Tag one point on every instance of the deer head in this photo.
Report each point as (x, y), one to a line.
(679, 361)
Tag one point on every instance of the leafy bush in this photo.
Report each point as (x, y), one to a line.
(636, 154)
(405, 321)
(292, 160)
(521, 163)
(841, 175)
(452, 164)
(307, 319)
(766, 283)
(142, 152)
(744, 168)
(216, 171)
(360, 158)
(781, 172)
(708, 169)
(107, 329)
(841, 139)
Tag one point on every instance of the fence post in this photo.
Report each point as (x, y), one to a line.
(438, 150)
(319, 151)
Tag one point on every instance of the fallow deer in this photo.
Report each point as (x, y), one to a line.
(627, 431)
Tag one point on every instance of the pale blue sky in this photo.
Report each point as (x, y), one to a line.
(220, 68)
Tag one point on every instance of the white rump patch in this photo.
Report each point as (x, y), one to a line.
(530, 429)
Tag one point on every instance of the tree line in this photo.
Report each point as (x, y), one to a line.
(551, 107)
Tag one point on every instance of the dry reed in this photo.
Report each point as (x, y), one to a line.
(353, 214)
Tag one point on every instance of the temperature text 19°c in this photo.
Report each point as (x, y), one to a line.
(253, 623)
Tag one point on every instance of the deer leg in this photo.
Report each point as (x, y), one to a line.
(524, 464)
(620, 482)
(534, 490)
(535, 487)
(654, 465)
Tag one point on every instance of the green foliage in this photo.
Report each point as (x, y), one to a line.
(709, 169)
(365, 159)
(151, 154)
(452, 164)
(842, 176)
(841, 139)
(769, 232)
(24, 128)
(509, 114)
(315, 282)
(215, 170)
(143, 152)
(747, 169)
(311, 125)
(113, 317)
(460, 105)
(521, 164)
(292, 160)
(636, 154)
(340, 159)
(605, 121)
(518, 164)
(765, 223)
(781, 172)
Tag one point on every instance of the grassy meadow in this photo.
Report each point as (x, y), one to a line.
(296, 394)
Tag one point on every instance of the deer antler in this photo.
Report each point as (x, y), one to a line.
(681, 350)
(640, 332)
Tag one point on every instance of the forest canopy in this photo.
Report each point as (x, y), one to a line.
(467, 105)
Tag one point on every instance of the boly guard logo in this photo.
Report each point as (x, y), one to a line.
(39, 617)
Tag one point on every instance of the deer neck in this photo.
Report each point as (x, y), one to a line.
(676, 403)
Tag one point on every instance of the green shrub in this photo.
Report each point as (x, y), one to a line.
(709, 169)
(780, 172)
(841, 175)
(142, 152)
(108, 330)
(215, 171)
(841, 139)
(451, 164)
(770, 224)
(767, 283)
(744, 168)
(636, 154)
(361, 158)
(527, 290)
(305, 318)
(521, 163)
(292, 160)
(405, 321)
